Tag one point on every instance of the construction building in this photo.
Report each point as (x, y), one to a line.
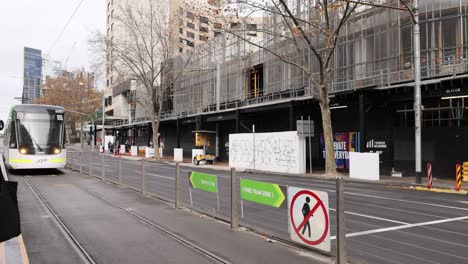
(231, 85)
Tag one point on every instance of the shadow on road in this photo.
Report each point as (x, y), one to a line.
(36, 172)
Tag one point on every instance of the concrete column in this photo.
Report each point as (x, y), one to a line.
(362, 123)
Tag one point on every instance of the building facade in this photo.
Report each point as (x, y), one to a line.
(32, 75)
(238, 85)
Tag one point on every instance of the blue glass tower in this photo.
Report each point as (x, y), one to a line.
(32, 75)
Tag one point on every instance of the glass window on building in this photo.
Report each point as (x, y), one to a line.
(190, 34)
(190, 25)
(203, 20)
(190, 15)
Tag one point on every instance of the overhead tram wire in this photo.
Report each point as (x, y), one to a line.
(64, 28)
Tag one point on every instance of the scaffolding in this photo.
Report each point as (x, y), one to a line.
(374, 51)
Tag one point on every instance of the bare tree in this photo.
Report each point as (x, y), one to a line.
(140, 50)
(302, 33)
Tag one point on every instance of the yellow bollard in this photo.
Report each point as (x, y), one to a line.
(458, 177)
(465, 172)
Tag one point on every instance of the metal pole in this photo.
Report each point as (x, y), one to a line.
(310, 145)
(91, 165)
(143, 184)
(103, 134)
(253, 132)
(120, 171)
(81, 162)
(177, 189)
(417, 91)
(241, 203)
(81, 133)
(103, 169)
(234, 198)
(190, 190)
(217, 195)
(340, 227)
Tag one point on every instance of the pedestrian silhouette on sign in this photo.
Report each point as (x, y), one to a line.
(305, 213)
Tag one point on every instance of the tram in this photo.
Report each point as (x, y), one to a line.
(34, 137)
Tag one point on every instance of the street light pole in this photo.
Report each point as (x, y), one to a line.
(417, 91)
(103, 134)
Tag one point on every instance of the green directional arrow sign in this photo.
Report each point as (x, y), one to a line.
(202, 181)
(261, 192)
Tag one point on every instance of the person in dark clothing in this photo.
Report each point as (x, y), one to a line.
(305, 213)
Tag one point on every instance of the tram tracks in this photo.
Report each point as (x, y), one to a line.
(86, 257)
(74, 243)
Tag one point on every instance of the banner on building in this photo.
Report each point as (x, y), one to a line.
(343, 143)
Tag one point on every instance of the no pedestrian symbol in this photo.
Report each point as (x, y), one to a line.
(309, 221)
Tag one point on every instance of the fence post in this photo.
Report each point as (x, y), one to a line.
(143, 187)
(91, 165)
(81, 162)
(234, 199)
(177, 188)
(103, 168)
(340, 228)
(120, 171)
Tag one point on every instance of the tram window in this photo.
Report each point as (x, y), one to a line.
(12, 135)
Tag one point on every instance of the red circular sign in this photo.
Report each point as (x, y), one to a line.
(297, 228)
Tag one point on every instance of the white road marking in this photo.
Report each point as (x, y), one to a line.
(393, 228)
(157, 175)
(2, 253)
(394, 199)
(393, 251)
(373, 217)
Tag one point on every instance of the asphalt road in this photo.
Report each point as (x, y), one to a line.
(383, 224)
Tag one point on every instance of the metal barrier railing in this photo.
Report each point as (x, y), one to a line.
(221, 196)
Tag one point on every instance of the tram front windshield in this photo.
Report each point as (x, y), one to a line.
(40, 132)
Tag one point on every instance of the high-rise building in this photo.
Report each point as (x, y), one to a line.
(32, 76)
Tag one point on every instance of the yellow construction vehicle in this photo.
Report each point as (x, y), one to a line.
(203, 140)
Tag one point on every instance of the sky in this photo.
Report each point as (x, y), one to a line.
(37, 24)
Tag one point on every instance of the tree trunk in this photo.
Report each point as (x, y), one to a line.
(330, 163)
(155, 125)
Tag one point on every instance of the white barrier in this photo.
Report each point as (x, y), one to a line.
(275, 152)
(179, 154)
(149, 152)
(364, 166)
(134, 151)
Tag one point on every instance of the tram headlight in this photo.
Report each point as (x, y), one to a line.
(56, 150)
(23, 151)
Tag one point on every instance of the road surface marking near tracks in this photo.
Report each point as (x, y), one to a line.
(24, 254)
(100, 164)
(11, 250)
(393, 251)
(374, 217)
(393, 228)
(2, 253)
(400, 200)
(156, 175)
